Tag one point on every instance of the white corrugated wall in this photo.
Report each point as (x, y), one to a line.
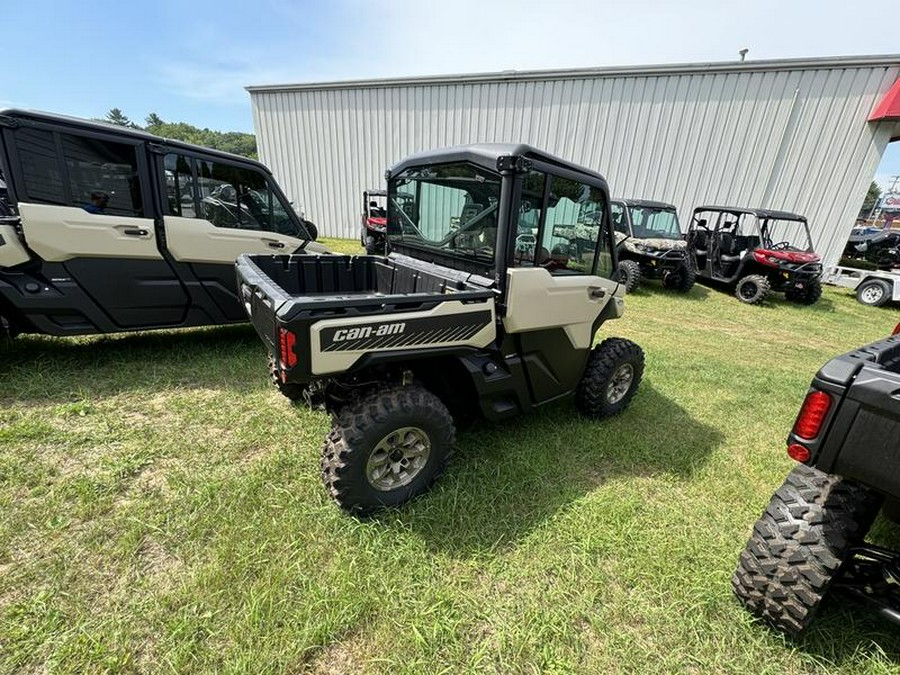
(790, 137)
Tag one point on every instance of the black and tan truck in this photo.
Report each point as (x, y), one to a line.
(499, 277)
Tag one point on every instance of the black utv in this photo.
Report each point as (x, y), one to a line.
(755, 252)
(650, 244)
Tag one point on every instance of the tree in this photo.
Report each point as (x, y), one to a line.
(872, 197)
(153, 120)
(117, 117)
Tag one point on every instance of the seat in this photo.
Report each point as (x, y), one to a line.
(701, 242)
(728, 253)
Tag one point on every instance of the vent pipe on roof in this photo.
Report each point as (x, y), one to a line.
(743, 53)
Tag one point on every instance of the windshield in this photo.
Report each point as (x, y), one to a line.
(451, 207)
(654, 223)
(785, 235)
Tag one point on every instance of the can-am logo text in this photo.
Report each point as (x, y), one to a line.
(345, 334)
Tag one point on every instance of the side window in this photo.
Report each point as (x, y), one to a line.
(619, 222)
(573, 223)
(241, 197)
(95, 165)
(39, 162)
(179, 186)
(529, 220)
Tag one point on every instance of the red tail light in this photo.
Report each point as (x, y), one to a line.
(812, 415)
(798, 452)
(288, 340)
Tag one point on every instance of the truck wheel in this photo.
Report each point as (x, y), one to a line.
(752, 289)
(371, 245)
(628, 274)
(805, 296)
(873, 292)
(292, 391)
(799, 545)
(611, 378)
(386, 449)
(312, 229)
(681, 280)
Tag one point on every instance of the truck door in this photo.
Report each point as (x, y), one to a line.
(86, 210)
(216, 209)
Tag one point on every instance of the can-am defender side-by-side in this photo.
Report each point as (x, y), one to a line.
(113, 229)
(809, 544)
(461, 319)
(650, 244)
(755, 252)
(373, 221)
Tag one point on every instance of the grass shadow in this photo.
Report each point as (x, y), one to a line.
(648, 289)
(40, 369)
(507, 478)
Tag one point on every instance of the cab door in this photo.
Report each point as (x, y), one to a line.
(85, 206)
(216, 209)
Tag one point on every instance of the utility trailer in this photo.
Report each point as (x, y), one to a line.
(873, 287)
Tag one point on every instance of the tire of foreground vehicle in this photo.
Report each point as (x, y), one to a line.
(611, 378)
(799, 544)
(292, 391)
(752, 289)
(682, 281)
(629, 274)
(386, 449)
(806, 296)
(873, 292)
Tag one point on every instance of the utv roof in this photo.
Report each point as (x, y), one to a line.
(643, 202)
(759, 213)
(376, 193)
(13, 116)
(486, 156)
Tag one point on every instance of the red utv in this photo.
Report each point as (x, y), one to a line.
(374, 221)
(755, 252)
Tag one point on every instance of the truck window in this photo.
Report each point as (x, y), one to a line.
(39, 164)
(238, 197)
(529, 219)
(451, 207)
(620, 224)
(180, 186)
(572, 225)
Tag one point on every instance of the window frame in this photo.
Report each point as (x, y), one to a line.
(18, 177)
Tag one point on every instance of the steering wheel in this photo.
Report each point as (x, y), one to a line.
(780, 246)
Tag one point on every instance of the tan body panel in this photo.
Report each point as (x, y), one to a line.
(197, 240)
(11, 250)
(59, 233)
(324, 362)
(537, 300)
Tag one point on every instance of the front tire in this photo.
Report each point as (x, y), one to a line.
(809, 295)
(311, 229)
(873, 292)
(628, 273)
(681, 280)
(386, 449)
(611, 378)
(752, 289)
(799, 545)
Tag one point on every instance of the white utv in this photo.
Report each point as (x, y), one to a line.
(499, 276)
(109, 229)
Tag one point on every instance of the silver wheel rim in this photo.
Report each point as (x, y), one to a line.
(398, 458)
(620, 383)
(872, 293)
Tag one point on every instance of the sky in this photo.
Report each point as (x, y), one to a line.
(189, 61)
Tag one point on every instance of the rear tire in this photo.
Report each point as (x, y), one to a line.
(799, 545)
(752, 289)
(874, 292)
(311, 229)
(629, 274)
(371, 245)
(682, 280)
(295, 392)
(611, 378)
(806, 296)
(386, 449)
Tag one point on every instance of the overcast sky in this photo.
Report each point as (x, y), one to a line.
(190, 60)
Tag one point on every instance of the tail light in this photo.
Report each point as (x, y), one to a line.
(812, 415)
(287, 341)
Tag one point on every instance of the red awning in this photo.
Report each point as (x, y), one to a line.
(889, 108)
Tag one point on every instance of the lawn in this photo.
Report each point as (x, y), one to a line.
(161, 511)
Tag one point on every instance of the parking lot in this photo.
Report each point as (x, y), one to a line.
(161, 509)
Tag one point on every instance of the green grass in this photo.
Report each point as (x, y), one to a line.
(161, 511)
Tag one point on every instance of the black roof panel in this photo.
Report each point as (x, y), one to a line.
(759, 213)
(649, 203)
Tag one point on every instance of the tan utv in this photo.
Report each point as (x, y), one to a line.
(110, 229)
(500, 273)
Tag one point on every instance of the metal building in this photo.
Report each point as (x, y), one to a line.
(788, 134)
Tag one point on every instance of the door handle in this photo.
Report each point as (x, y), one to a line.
(598, 293)
(275, 244)
(135, 232)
